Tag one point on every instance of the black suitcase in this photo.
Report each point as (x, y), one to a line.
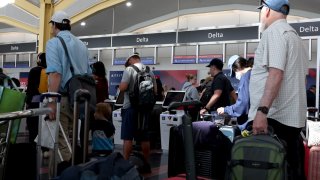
(211, 150)
(22, 156)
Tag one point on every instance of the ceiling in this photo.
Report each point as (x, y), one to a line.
(144, 13)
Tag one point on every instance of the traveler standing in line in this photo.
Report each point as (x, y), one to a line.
(240, 109)
(99, 75)
(33, 90)
(221, 88)
(58, 69)
(277, 83)
(130, 115)
(189, 86)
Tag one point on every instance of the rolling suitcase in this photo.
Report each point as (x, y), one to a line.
(209, 151)
(314, 163)
(18, 161)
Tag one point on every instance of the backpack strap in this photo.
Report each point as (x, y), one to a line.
(67, 54)
(135, 68)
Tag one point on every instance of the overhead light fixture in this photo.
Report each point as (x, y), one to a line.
(128, 4)
(3, 3)
(83, 23)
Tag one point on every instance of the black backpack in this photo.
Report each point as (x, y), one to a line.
(206, 96)
(142, 95)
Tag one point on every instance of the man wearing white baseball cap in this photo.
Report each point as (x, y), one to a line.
(59, 61)
(277, 83)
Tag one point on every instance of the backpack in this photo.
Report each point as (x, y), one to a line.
(206, 96)
(43, 85)
(111, 167)
(142, 95)
(257, 157)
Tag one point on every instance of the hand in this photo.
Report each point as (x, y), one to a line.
(53, 106)
(202, 111)
(220, 110)
(260, 124)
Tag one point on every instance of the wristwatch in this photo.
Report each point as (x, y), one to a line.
(263, 109)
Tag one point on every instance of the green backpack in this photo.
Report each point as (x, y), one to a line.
(257, 157)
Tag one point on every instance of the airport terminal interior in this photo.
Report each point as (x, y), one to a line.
(172, 37)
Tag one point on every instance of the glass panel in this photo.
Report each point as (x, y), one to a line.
(9, 61)
(185, 55)
(121, 56)
(23, 61)
(146, 55)
(208, 52)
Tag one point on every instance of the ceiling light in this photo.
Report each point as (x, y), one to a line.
(128, 4)
(83, 23)
(3, 3)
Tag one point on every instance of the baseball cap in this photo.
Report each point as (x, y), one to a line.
(277, 5)
(59, 16)
(135, 55)
(231, 60)
(216, 62)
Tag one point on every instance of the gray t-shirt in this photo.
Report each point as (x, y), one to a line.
(280, 47)
(128, 76)
(191, 92)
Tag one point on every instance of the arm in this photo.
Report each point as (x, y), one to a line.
(53, 86)
(273, 84)
(242, 104)
(214, 98)
(123, 86)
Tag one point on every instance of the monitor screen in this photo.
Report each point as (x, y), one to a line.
(120, 99)
(173, 96)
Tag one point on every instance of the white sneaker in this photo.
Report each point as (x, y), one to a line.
(45, 154)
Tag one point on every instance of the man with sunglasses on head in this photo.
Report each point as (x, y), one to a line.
(277, 84)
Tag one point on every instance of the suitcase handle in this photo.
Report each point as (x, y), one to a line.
(82, 95)
(50, 94)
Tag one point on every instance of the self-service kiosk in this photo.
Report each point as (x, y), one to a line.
(169, 119)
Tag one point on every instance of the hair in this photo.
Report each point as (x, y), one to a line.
(104, 109)
(240, 63)
(64, 26)
(202, 81)
(312, 87)
(190, 76)
(98, 69)
(43, 61)
(250, 62)
(1, 70)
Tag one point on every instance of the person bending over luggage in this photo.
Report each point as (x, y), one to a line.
(242, 71)
(221, 88)
(102, 131)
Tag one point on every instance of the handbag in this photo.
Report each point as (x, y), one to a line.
(313, 133)
(11, 100)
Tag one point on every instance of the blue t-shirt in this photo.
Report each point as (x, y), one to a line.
(102, 135)
(57, 59)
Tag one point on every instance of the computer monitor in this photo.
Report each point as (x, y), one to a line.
(120, 99)
(173, 96)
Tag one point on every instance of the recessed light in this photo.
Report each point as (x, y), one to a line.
(83, 23)
(128, 4)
